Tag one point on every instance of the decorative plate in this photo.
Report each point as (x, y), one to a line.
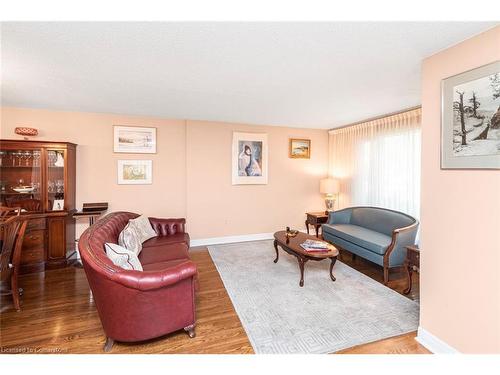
(23, 189)
(26, 131)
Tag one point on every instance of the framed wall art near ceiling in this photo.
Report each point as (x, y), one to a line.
(135, 172)
(249, 159)
(134, 139)
(470, 121)
(299, 148)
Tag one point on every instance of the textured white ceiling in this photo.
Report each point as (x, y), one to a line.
(317, 75)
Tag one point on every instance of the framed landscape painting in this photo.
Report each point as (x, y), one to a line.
(299, 148)
(249, 159)
(470, 123)
(134, 139)
(135, 172)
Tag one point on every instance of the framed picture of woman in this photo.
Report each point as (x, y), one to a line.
(249, 158)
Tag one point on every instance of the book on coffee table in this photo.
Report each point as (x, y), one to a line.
(312, 250)
(312, 246)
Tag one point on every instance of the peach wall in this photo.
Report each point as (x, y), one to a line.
(96, 178)
(191, 171)
(217, 208)
(460, 230)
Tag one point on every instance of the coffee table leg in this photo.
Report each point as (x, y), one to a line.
(276, 248)
(331, 268)
(301, 266)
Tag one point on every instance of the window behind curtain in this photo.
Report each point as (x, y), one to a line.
(378, 163)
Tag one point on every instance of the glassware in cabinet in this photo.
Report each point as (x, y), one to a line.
(21, 179)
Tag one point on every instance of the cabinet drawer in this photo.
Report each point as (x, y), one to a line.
(33, 255)
(34, 239)
(35, 224)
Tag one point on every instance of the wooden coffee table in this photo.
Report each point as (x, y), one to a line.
(292, 246)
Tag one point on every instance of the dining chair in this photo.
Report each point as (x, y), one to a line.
(13, 230)
(5, 213)
(8, 211)
(29, 204)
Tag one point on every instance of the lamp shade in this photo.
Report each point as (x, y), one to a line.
(329, 186)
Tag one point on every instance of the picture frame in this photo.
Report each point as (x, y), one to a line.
(134, 139)
(135, 172)
(58, 205)
(249, 159)
(470, 119)
(299, 148)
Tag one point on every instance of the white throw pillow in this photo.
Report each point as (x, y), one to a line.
(129, 239)
(122, 257)
(143, 227)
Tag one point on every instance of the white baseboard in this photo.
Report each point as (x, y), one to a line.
(232, 239)
(434, 344)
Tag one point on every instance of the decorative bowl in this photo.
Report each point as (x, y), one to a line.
(292, 233)
(23, 189)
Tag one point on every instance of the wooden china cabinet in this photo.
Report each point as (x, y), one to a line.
(39, 177)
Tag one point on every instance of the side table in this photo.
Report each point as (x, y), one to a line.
(412, 263)
(316, 219)
(92, 216)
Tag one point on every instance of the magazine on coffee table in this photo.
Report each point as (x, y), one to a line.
(314, 246)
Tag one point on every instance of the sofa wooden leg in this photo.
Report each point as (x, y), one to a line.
(386, 275)
(109, 344)
(190, 330)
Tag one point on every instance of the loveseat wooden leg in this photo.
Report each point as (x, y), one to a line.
(190, 330)
(386, 275)
(109, 344)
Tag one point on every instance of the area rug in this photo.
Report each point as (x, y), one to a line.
(321, 317)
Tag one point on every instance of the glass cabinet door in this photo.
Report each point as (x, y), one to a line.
(55, 179)
(21, 179)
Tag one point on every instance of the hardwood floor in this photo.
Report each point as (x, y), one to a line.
(58, 316)
(404, 344)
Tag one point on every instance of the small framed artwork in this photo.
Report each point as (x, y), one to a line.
(134, 140)
(299, 148)
(470, 119)
(58, 205)
(249, 159)
(135, 172)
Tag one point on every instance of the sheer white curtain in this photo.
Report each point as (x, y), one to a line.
(378, 163)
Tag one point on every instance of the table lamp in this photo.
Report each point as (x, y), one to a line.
(329, 187)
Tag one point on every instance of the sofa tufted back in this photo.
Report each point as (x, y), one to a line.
(167, 227)
(381, 220)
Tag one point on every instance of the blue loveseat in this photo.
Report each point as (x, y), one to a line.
(373, 233)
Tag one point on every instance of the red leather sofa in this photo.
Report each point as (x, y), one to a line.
(134, 305)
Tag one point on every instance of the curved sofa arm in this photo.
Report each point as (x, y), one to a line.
(406, 236)
(401, 237)
(165, 227)
(149, 280)
(340, 217)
